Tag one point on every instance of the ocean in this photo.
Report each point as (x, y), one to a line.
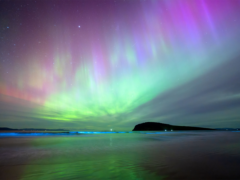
(122, 156)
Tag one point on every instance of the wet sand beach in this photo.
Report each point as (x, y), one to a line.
(173, 155)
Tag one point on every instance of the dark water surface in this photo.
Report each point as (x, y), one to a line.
(134, 156)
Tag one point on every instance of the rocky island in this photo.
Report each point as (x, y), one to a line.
(155, 126)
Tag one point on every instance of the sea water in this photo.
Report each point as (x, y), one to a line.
(128, 156)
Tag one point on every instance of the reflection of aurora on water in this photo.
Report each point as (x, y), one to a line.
(122, 156)
(99, 71)
(107, 166)
(107, 170)
(90, 157)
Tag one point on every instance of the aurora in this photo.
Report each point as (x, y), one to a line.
(98, 66)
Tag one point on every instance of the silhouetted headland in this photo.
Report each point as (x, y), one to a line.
(154, 126)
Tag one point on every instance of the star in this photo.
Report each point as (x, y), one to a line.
(79, 26)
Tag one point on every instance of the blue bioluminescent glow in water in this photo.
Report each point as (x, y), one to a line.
(19, 134)
(31, 134)
(6, 134)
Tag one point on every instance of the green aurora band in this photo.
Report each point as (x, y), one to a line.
(97, 76)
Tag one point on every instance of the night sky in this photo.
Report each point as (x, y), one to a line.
(101, 64)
